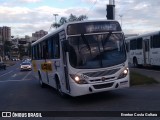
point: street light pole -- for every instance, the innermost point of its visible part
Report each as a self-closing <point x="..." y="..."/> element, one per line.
<point x="121" y="19"/>
<point x="55" y="18"/>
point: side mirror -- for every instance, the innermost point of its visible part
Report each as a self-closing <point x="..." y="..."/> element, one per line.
<point x="65" y="45"/>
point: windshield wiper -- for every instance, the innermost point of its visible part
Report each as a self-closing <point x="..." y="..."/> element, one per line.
<point x="103" y="42"/>
<point x="106" y="39"/>
<point x="86" y="43"/>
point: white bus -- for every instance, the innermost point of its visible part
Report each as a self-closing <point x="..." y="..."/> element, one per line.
<point x="81" y="58"/>
<point x="144" y="49"/>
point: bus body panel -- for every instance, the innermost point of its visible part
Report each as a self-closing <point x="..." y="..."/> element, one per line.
<point x="78" y="90"/>
<point x="107" y="85"/>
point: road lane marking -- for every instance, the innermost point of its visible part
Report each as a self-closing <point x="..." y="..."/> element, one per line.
<point x="14" y="75"/>
<point x="26" y="76"/>
<point x="6" y="73"/>
<point x="15" y="80"/>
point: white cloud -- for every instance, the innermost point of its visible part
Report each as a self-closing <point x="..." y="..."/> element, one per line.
<point x="29" y="1"/>
<point x="138" y="16"/>
<point x="23" y="20"/>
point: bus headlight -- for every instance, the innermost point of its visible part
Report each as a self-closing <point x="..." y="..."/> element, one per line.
<point x="78" y="79"/>
<point x="124" y="73"/>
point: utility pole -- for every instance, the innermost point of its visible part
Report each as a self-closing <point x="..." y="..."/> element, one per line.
<point x="111" y="10"/>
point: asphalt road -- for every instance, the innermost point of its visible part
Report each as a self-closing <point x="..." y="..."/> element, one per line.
<point x="20" y="91"/>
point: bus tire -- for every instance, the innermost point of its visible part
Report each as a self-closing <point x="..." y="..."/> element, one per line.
<point x="40" y="80"/>
<point x="59" y="90"/>
<point x="135" y="62"/>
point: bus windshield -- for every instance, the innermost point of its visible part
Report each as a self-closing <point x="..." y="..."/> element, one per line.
<point x="96" y="50"/>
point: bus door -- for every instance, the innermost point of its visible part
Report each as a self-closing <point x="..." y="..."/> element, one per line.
<point x="43" y="65"/>
<point x="65" y="66"/>
<point x="146" y="50"/>
<point x="53" y="61"/>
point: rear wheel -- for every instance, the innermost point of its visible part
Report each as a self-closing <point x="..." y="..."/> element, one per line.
<point x="135" y="62"/>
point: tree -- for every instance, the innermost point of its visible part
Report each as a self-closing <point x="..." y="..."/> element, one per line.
<point x="21" y="50"/>
<point x="7" y="46"/>
<point x="63" y="20"/>
<point x="82" y="17"/>
<point x="71" y="18"/>
<point x="29" y="50"/>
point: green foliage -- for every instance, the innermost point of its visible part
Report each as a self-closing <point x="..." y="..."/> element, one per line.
<point x="71" y="18"/>
<point x="7" y="46"/>
<point x="21" y="50"/>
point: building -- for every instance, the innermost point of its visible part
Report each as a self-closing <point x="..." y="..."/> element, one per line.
<point x="38" y="34"/>
<point x="5" y="35"/>
<point x="5" y="32"/>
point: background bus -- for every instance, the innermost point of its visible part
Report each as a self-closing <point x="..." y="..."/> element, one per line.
<point x="82" y="58"/>
<point x="144" y="49"/>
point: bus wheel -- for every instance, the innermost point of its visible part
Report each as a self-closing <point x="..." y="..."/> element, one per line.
<point x="40" y="81"/>
<point x="62" y="94"/>
<point x="135" y="62"/>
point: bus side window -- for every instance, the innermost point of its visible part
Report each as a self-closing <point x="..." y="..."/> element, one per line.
<point x="151" y="42"/>
<point x="127" y="46"/>
<point x="33" y="55"/>
<point x="156" y="41"/>
<point x="133" y="44"/>
<point x="139" y="43"/>
<point x="45" y="52"/>
<point x="50" y="48"/>
<point x="56" y="47"/>
<point x="40" y="51"/>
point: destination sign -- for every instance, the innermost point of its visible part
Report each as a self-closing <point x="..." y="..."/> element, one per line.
<point x="93" y="27"/>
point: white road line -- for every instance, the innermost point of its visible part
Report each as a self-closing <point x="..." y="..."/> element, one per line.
<point x="26" y="76"/>
<point x="15" y="80"/>
<point x="6" y="73"/>
<point x="14" y="75"/>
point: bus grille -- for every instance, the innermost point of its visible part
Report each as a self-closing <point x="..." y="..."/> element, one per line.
<point x="101" y="73"/>
<point x="99" y="80"/>
<point x="100" y="86"/>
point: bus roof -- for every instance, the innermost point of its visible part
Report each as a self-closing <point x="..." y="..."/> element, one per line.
<point x="143" y="35"/>
<point x="64" y="26"/>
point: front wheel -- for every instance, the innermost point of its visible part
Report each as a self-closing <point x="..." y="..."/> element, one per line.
<point x="59" y="89"/>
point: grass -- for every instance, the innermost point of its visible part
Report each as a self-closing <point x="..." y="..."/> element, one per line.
<point x="138" y="79"/>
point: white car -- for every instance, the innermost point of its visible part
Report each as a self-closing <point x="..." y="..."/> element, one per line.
<point x="26" y="66"/>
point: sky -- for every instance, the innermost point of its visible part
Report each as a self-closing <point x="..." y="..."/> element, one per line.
<point x="27" y="16"/>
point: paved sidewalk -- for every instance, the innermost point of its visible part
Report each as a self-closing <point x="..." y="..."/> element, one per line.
<point x="149" y="73"/>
